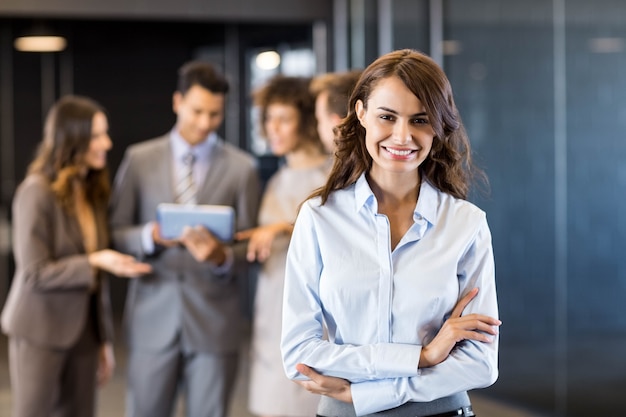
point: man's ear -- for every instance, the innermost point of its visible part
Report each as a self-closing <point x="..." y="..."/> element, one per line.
<point x="177" y="97"/>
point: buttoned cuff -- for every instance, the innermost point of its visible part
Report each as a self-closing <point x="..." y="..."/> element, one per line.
<point x="396" y="360"/>
<point x="147" y="243"/>
<point x="373" y="396"/>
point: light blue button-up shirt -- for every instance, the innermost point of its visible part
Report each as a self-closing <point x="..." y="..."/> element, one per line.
<point x="381" y="306"/>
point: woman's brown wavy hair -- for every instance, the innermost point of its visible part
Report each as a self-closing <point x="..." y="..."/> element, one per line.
<point x="61" y="154"/>
<point x="449" y="166"/>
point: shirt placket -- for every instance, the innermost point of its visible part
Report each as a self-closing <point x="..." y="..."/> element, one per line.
<point x="385" y="278"/>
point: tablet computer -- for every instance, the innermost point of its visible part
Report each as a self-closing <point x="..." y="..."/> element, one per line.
<point x="219" y="220"/>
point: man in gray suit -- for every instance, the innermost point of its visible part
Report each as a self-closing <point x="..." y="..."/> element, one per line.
<point x="183" y="320"/>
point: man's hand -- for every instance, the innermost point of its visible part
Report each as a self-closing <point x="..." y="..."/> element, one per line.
<point x="203" y="246"/>
<point x="158" y="240"/>
<point x="456" y="329"/>
<point x="337" y="388"/>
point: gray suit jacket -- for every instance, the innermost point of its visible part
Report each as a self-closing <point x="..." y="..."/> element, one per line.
<point x="181" y="296"/>
<point x="49" y="300"/>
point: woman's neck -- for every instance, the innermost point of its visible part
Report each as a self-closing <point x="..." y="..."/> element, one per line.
<point x="395" y="188"/>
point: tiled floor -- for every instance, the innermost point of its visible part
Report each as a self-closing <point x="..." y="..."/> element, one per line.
<point x="111" y="397"/>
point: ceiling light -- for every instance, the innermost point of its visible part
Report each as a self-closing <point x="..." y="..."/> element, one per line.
<point x="40" y="43"/>
<point x="268" y="60"/>
<point x="40" y="36"/>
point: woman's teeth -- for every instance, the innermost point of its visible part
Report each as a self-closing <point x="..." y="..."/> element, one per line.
<point x="399" y="152"/>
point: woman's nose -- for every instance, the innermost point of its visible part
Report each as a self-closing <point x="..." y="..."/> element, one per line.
<point x="401" y="133"/>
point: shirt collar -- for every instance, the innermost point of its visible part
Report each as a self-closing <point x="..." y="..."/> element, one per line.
<point x="202" y="151"/>
<point x="427" y="203"/>
<point x="426" y="206"/>
<point x="363" y="195"/>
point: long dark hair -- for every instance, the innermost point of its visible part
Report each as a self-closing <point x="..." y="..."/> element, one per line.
<point x="449" y="166"/>
<point x="61" y="154"/>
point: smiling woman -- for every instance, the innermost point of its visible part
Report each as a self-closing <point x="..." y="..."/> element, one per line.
<point x="410" y="311"/>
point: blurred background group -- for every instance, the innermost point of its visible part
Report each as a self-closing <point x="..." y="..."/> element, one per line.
<point x="541" y="87"/>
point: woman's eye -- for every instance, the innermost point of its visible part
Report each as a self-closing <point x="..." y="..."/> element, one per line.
<point x="420" y="121"/>
<point x="386" y="117"/>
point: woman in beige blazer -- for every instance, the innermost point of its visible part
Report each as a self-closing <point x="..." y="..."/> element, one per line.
<point x="57" y="314"/>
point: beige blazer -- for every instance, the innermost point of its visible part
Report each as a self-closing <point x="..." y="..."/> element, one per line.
<point x="49" y="300"/>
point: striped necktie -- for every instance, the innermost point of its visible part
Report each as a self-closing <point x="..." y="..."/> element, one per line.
<point x="186" y="187"/>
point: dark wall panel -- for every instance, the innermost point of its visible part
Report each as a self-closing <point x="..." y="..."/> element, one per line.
<point x="596" y="106"/>
<point x="508" y="110"/>
<point x="28" y="123"/>
<point x="521" y="89"/>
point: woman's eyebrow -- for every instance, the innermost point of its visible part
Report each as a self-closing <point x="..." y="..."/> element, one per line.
<point x="395" y="112"/>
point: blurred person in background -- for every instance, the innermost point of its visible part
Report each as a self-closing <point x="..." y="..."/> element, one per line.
<point x="287" y="115"/>
<point x="332" y="91"/>
<point x="184" y="321"/>
<point x="57" y="314"/>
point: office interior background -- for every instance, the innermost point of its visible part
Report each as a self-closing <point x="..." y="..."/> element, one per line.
<point x="541" y="87"/>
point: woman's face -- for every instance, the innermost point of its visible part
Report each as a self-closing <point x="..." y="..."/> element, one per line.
<point x="282" y="122"/>
<point x="100" y="143"/>
<point x="398" y="134"/>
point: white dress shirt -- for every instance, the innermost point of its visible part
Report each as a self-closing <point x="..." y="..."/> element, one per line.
<point x="201" y="152"/>
<point x="381" y="306"/>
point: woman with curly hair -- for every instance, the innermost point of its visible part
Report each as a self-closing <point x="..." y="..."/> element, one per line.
<point x="57" y="314"/>
<point x="391" y="258"/>
<point x="287" y="115"/>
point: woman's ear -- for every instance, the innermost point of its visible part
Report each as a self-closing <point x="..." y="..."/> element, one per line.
<point x="359" y="110"/>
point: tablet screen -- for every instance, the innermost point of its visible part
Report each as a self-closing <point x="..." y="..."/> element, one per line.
<point x="219" y="220"/>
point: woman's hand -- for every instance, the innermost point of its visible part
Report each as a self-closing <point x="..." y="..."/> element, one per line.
<point x="261" y="239"/>
<point x="118" y="263"/>
<point x="106" y="364"/>
<point x="337" y="388"/>
<point x="456" y="329"/>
